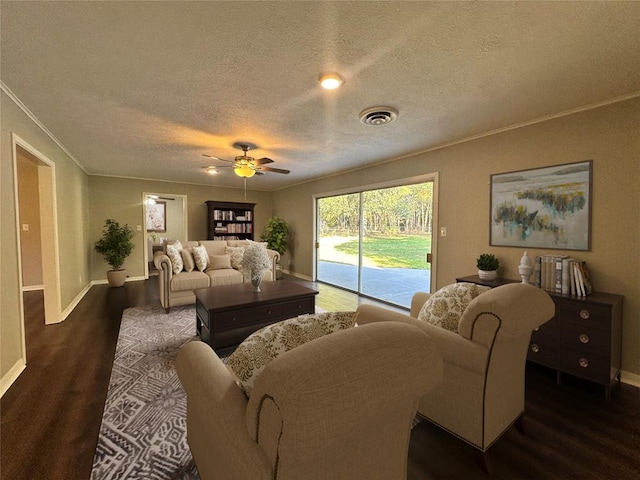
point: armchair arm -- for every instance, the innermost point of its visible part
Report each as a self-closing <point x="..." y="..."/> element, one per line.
<point x="216" y="410"/>
<point x="417" y="301"/>
<point x="455" y="349"/>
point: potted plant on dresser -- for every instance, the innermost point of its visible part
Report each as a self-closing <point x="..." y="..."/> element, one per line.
<point x="487" y="265"/>
<point x="115" y="246"/>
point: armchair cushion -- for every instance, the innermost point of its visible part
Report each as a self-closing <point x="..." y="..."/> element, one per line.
<point x="260" y="348"/>
<point x="445" y="307"/>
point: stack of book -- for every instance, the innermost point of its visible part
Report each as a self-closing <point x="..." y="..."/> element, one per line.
<point x="562" y="274"/>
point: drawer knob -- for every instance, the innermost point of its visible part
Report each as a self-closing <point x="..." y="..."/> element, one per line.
<point x="299" y="306"/>
<point x="536" y="329"/>
<point x="268" y="312"/>
<point x="584" y="338"/>
<point x="584" y="363"/>
<point x="584" y="314"/>
<point x="233" y="319"/>
<point x="535" y="348"/>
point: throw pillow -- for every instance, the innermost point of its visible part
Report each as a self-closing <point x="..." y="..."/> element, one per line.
<point x="201" y="257"/>
<point x="177" y="245"/>
<point x="176" y="259"/>
<point x="236" y="254"/>
<point x="187" y="259"/>
<point x="220" y="262"/>
<point x="445" y="307"/>
<point x="262" y="347"/>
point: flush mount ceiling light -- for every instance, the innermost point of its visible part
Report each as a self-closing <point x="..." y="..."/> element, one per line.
<point x="378" y="115"/>
<point x="330" y="81"/>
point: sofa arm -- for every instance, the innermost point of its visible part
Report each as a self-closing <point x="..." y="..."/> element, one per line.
<point x="165" y="272"/>
<point x="275" y="259"/>
<point x="216" y="417"/>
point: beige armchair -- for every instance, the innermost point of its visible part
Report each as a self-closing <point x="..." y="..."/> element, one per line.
<point x="338" y="407"/>
<point x="482" y="392"/>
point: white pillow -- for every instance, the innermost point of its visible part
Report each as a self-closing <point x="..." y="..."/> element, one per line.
<point x="176" y="259"/>
<point x="445" y="307"/>
<point x="201" y="258"/>
<point x="236" y="254"/>
<point x="262" y="347"/>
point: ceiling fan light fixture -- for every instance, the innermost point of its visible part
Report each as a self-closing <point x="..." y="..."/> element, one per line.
<point x="244" y="170"/>
<point x="212" y="170"/>
<point x="330" y="81"/>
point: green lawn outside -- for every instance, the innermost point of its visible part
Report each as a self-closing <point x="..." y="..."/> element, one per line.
<point x="393" y="251"/>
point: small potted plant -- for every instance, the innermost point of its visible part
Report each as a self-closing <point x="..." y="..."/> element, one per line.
<point x="115" y="246"/>
<point x="487" y="265"/>
<point x="276" y="234"/>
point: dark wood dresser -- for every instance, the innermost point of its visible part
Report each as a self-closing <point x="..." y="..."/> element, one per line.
<point x="584" y="338"/>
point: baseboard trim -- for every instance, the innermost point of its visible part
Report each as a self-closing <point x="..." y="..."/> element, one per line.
<point x="297" y="275"/>
<point x="11" y="376"/>
<point x="630" y="378"/>
<point x="104" y="281"/>
<point x="74" y="303"/>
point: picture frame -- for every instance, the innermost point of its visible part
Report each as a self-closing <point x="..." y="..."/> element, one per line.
<point x="548" y="207"/>
<point x="156" y="217"/>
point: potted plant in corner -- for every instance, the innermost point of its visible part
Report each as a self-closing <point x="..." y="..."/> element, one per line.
<point x="487" y="265"/>
<point x="115" y="246"/>
<point x="276" y="234"/>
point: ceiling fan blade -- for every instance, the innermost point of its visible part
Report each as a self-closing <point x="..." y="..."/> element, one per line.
<point x="274" y="170"/>
<point x="262" y="161"/>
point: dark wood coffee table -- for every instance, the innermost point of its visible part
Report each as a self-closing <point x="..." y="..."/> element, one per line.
<point x="226" y="315"/>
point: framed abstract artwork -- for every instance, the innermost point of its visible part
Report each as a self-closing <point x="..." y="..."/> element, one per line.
<point x="546" y="207"/>
<point x="157" y="217"/>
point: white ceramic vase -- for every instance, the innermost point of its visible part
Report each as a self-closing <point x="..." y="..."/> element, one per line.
<point x="488" y="275"/>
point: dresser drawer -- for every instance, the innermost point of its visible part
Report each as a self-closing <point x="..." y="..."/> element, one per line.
<point x="591" y="366"/>
<point x="590" y="315"/>
<point x="585" y="338"/>
<point x="202" y="314"/>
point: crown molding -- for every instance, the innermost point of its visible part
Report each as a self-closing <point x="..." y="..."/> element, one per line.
<point x="40" y="125"/>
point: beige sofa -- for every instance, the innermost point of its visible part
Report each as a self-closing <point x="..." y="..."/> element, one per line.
<point x="338" y="407"/>
<point x="177" y="289"/>
<point x="482" y="392"/>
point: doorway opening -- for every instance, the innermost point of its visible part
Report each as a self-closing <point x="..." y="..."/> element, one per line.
<point x="165" y="220"/>
<point x="378" y="241"/>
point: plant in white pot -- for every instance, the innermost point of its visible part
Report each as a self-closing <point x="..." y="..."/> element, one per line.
<point x="115" y="246"/>
<point x="487" y="265"/>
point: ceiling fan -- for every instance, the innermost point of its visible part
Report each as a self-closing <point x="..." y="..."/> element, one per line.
<point x="245" y="166"/>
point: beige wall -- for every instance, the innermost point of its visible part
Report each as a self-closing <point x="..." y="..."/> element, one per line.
<point x="610" y="136"/>
<point x="121" y="199"/>
<point x="72" y="214"/>
<point x="29" y="200"/>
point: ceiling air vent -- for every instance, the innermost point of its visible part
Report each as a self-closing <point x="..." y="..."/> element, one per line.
<point x="378" y="115"/>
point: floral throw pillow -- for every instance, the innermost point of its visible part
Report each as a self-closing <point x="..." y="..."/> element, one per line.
<point x="262" y="347"/>
<point x="201" y="258"/>
<point x="236" y="254"/>
<point x="445" y="307"/>
<point x="176" y="259"/>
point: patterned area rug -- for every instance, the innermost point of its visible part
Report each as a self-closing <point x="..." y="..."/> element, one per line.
<point x="143" y="432"/>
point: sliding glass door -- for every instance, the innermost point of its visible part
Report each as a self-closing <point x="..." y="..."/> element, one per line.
<point x="377" y="242"/>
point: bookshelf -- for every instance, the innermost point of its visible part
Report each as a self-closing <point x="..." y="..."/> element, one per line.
<point x="229" y="220"/>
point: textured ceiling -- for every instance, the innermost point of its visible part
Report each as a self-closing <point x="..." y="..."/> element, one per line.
<point x="143" y="89"/>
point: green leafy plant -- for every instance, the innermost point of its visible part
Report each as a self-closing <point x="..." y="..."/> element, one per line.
<point x="487" y="262"/>
<point x="115" y="245"/>
<point x="276" y="234"/>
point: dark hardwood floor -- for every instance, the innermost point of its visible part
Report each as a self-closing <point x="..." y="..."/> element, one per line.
<point x="50" y="417"/>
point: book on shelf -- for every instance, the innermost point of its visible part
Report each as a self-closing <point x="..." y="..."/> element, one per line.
<point x="562" y="274"/>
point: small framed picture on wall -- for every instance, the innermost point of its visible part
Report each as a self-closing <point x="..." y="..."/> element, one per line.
<point x="157" y="217"/>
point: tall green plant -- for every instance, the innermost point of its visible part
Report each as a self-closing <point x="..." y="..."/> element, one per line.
<point x="115" y="244"/>
<point x="276" y="234"/>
